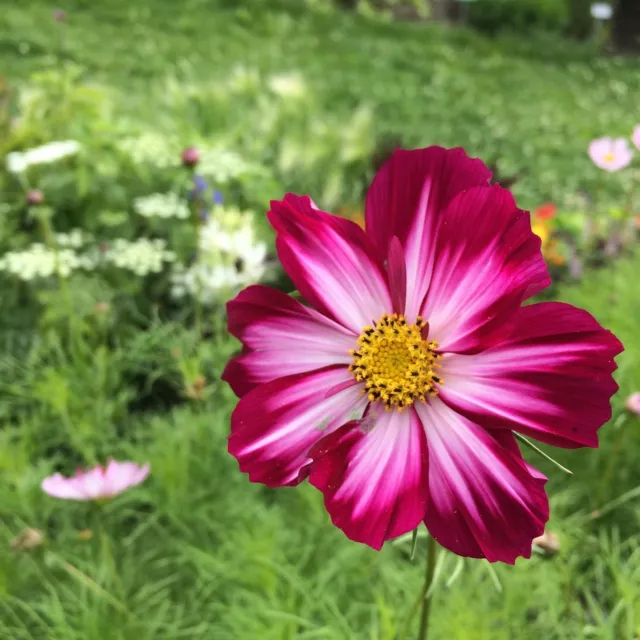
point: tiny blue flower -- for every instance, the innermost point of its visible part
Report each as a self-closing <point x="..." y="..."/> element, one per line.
<point x="218" y="198"/>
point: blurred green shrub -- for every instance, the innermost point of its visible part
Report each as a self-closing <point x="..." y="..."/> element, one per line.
<point x="492" y="16"/>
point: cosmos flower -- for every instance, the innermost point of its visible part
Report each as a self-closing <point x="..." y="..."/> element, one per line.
<point x="609" y="154"/>
<point x="397" y="388"/>
<point x="633" y="403"/>
<point x="97" y="483"/>
<point x="635" y="138"/>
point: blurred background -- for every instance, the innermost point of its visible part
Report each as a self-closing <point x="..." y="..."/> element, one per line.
<point x="140" y="144"/>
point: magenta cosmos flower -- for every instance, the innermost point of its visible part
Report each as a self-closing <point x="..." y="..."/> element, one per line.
<point x="610" y="154"/>
<point x="97" y="483"/>
<point x="397" y="388"/>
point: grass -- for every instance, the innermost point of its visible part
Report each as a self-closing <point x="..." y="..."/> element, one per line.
<point x="198" y="551"/>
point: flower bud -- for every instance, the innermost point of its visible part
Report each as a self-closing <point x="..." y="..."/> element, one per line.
<point x="190" y="157"/>
<point x="35" y="197"/>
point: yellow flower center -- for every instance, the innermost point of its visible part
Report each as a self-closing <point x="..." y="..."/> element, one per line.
<point x="609" y="157"/>
<point x="396" y="362"/>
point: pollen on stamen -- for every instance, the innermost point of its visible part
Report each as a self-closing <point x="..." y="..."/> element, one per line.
<point x="396" y="362"/>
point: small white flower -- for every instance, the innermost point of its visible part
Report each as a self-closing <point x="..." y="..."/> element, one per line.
<point x="152" y="148"/>
<point x="18" y="162"/>
<point x="161" y="205"/>
<point x="222" y="165"/>
<point x="75" y="238"/>
<point x="288" y="85"/>
<point x="38" y="261"/>
<point x="230" y="258"/>
<point x="142" y="256"/>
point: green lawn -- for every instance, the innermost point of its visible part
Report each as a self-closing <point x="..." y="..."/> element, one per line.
<point x="197" y="551"/>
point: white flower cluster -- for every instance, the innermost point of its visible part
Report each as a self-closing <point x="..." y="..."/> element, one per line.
<point x="222" y="165"/>
<point x="38" y="261"/>
<point x="288" y="85"/>
<point x="141" y="256"/>
<point x="75" y="239"/>
<point x="151" y="148"/>
<point x="18" y="162"/>
<point x="230" y="258"/>
<point x="161" y="205"/>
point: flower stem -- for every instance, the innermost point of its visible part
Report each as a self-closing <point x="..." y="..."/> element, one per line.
<point x="52" y="245"/>
<point x="612" y="460"/>
<point x="432" y="552"/>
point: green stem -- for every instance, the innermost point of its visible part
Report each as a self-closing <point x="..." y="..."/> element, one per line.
<point x="51" y="243"/>
<point x="198" y="300"/>
<point x="432" y="552"/>
<point x="611" y="463"/>
<point x="194" y="206"/>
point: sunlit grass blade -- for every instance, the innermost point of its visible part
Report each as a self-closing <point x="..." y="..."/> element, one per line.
<point x="539" y="451"/>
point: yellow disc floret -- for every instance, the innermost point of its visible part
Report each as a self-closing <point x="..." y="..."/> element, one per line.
<point x="396" y="362"/>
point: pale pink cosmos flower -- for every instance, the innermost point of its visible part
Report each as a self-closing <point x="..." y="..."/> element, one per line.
<point x="610" y="154"/>
<point x="633" y="403"/>
<point x="97" y="483"/>
<point x="635" y="137"/>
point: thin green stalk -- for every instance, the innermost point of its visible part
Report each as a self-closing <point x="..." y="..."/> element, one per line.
<point x="194" y="206"/>
<point x="612" y="462"/>
<point x="51" y="243"/>
<point x="198" y="300"/>
<point x="424" y="597"/>
<point x="432" y="552"/>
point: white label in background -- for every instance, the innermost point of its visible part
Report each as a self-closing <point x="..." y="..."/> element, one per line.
<point x="601" y="11"/>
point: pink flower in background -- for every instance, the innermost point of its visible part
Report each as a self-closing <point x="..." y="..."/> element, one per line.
<point x="633" y="403"/>
<point x="610" y="154"/>
<point x="97" y="483"/>
<point x="636" y="136"/>
<point x="397" y="388"/>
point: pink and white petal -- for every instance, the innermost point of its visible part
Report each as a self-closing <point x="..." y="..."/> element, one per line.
<point x="483" y="501"/>
<point x="397" y="272"/>
<point x="92" y="483"/>
<point x="408" y="198"/>
<point x="281" y="337"/>
<point x="120" y="476"/>
<point x="551" y="379"/>
<point x="58" y="486"/>
<point x="373" y="474"/>
<point x="331" y="262"/>
<point x="274" y="425"/>
<point x="488" y="261"/>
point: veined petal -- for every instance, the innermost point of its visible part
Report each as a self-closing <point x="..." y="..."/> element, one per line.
<point x="488" y="261"/>
<point x="374" y="476"/>
<point x="551" y="379"/>
<point x="483" y="501"/>
<point x="119" y="476"/>
<point x="282" y="337"/>
<point x="331" y="262"/>
<point x="407" y="199"/>
<point x="60" y="487"/>
<point x="274" y="425"/>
